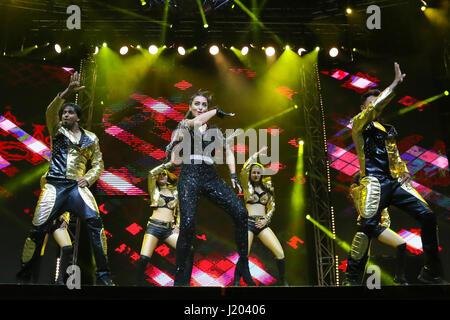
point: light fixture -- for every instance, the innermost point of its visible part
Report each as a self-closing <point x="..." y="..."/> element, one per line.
<point x="300" y="51"/>
<point x="333" y="52"/>
<point x="270" y="51"/>
<point x="181" y="51"/>
<point x="58" y="48"/>
<point x="214" y="50"/>
<point x="244" y="50"/>
<point x="123" y="50"/>
<point x="153" y="49"/>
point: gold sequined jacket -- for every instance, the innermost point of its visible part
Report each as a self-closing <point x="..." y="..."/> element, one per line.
<point x="69" y="156"/>
<point x="375" y="143"/>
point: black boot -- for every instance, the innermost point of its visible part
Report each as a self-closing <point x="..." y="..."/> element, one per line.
<point x="242" y="270"/>
<point x="189" y="266"/>
<point x="281" y="264"/>
<point x="184" y="265"/>
<point x="141" y="267"/>
<point x="400" y="277"/>
<point x="355" y="271"/>
<point x="65" y="260"/>
<point x="429" y="276"/>
<point x="31" y="259"/>
<point x="180" y="277"/>
<point x="432" y="271"/>
<point x="104" y="280"/>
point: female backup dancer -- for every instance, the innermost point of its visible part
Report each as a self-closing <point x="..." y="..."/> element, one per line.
<point x="163" y="223"/>
<point x="260" y="202"/>
<point x="359" y="251"/>
<point x="62" y="238"/>
<point x="199" y="177"/>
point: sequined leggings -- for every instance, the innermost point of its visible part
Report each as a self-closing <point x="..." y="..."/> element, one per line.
<point x="202" y="179"/>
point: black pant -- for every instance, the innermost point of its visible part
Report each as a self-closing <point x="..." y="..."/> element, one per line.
<point x="407" y="199"/>
<point x="194" y="181"/>
<point x="57" y="197"/>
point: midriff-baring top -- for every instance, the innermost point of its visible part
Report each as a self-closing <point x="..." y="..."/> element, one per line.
<point x="198" y="144"/>
<point x="265" y="198"/>
<point x="158" y="200"/>
<point x="167" y="202"/>
<point x="259" y="198"/>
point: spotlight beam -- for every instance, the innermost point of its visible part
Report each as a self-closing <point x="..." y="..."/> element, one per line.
<point x="130" y="13"/>
<point x="259" y="123"/>
<point x="202" y="14"/>
<point x="256" y="20"/>
<point x="420" y="103"/>
<point x="165" y="24"/>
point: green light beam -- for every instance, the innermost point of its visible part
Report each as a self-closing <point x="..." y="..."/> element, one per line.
<point x="420" y="103"/>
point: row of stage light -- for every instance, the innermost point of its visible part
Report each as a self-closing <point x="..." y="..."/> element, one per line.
<point x="214" y="50"/>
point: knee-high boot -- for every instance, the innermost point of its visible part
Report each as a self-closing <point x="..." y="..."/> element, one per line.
<point x="432" y="270"/>
<point x="141" y="267"/>
<point x="31" y="258"/>
<point x="65" y="260"/>
<point x="281" y="265"/>
<point x="242" y="270"/>
<point x="401" y="265"/>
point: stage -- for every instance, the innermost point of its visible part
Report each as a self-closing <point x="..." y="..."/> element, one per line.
<point x="293" y="73"/>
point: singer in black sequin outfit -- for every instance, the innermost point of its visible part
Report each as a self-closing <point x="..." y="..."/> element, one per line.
<point x="198" y="177"/>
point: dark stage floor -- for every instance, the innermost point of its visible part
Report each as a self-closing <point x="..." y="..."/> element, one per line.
<point x="247" y="294"/>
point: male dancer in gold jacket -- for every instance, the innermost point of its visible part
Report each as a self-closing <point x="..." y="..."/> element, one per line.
<point x="65" y="185"/>
<point x="385" y="181"/>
